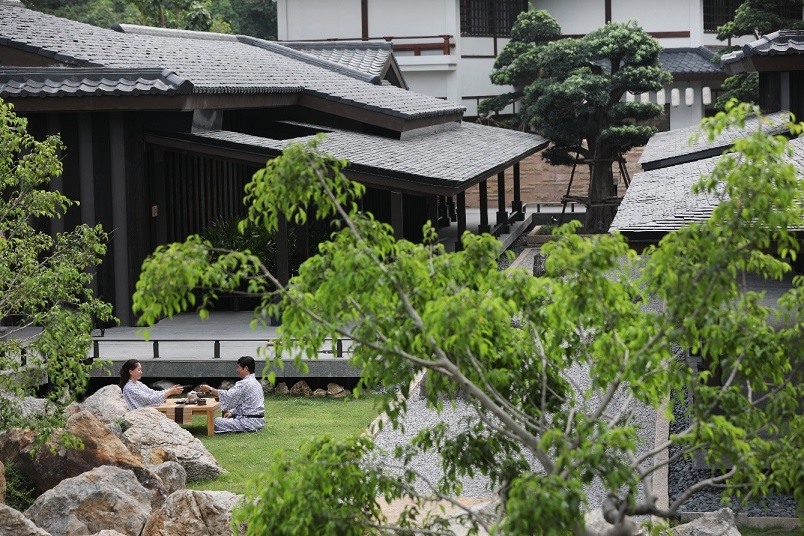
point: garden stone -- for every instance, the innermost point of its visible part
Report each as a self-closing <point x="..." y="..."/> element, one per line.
<point x="267" y="388"/>
<point x="2" y="483"/>
<point x="104" y="498"/>
<point x="226" y="385"/>
<point x="194" y="512"/>
<point x="300" y="388"/>
<point x="281" y="389"/>
<point x="719" y="523"/>
<point x="106" y="403"/>
<point x="320" y="393"/>
<point x="539" y="260"/>
<point x="334" y="389"/>
<point x="109" y="532"/>
<point x="162" y="385"/>
<point x="53" y="463"/>
<point x="14" y="522"/>
<point x="155" y="437"/>
<point x="173" y="475"/>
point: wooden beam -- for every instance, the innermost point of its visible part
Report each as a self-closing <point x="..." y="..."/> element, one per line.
<point x="364" y="25"/>
<point x="502" y="214"/>
<point x="517" y="206"/>
<point x="122" y="309"/>
<point x="397" y="218"/>
<point x="484" y="209"/>
<point x="608" y="11"/>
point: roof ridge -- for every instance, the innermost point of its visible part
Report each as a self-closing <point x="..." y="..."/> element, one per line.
<point x="140" y="29"/>
<point x="382" y="45"/>
<point x="309" y="59"/>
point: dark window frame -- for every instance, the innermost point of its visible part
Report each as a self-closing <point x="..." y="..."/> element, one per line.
<point x="490" y="18"/>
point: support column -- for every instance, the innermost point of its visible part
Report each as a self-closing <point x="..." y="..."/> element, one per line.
<point x="432" y="211"/>
<point x="461" y="217"/>
<point x="397" y="219"/>
<point x="302" y="247"/>
<point x="451" y="209"/>
<point x="517" y="207"/>
<point x="87" y="179"/>
<point x="502" y="214"/>
<point x="484" y="209"/>
<point x="122" y="305"/>
<point x="56" y="183"/>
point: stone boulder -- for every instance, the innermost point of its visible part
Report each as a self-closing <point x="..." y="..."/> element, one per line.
<point x="719" y="523"/>
<point x="53" y="463"/>
<point x="300" y="388"/>
<point x="2" y="483"/>
<point x="320" y="393"/>
<point x="194" y="512"/>
<point x="173" y="475"/>
<point x="109" y="533"/>
<point x="104" y="498"/>
<point x="106" y="403"/>
<point x="334" y="389"/>
<point x="281" y="389"/>
<point x="158" y="439"/>
<point x="267" y="388"/>
<point x="14" y="522"/>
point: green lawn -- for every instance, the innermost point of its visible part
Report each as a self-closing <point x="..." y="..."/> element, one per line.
<point x="289" y="422"/>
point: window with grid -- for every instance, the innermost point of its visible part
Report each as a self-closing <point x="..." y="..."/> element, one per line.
<point x="719" y="12"/>
<point x="490" y="17"/>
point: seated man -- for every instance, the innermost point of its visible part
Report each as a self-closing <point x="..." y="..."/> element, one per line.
<point x="243" y="405"/>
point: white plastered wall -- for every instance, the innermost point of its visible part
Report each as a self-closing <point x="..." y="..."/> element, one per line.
<point x="318" y="19"/>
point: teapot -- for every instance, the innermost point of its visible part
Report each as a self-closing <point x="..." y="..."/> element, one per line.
<point x="192" y="397"/>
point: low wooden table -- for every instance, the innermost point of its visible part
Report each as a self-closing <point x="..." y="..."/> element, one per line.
<point x="183" y="413"/>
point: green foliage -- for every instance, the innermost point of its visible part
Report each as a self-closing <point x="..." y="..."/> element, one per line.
<point x="760" y="17"/>
<point x="508" y="342"/>
<point x="572" y="92"/>
<point x="756" y="18"/>
<point x="44" y="279"/>
<point x="20" y="491"/>
<point x="256" y="18"/>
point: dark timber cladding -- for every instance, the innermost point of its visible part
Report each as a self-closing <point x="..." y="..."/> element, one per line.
<point x="160" y="147"/>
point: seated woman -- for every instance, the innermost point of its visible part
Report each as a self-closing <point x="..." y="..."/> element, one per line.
<point x="138" y="395"/>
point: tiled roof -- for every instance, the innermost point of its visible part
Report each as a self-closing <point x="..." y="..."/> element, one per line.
<point x="446" y="159"/>
<point x="689" y="61"/>
<point x="212" y="66"/>
<point x="93" y="81"/>
<point x="662" y="201"/>
<point x="673" y="147"/>
<point x="369" y="57"/>
<point x="777" y="43"/>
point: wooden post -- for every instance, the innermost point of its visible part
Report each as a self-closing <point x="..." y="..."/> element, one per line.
<point x="461" y="220"/>
<point x="122" y="310"/>
<point x="502" y="214"/>
<point x="517" y="206"/>
<point x="397" y="220"/>
<point x="282" y="252"/>
<point x="484" y="209"/>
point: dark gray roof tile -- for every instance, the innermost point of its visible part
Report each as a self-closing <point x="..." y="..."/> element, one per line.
<point x="673" y="147"/>
<point x="661" y="200"/>
<point x="777" y="43"/>
<point x="83" y="81"/>
<point x="447" y="158"/>
<point x="689" y="61"/>
<point x="212" y="66"/>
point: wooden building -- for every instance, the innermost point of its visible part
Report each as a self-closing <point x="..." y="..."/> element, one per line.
<point x="164" y="127"/>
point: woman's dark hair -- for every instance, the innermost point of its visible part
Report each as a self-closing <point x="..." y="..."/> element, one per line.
<point x="125" y="371"/>
<point x="247" y="362"/>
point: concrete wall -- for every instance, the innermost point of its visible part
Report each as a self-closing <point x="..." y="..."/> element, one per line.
<point x="318" y="19"/>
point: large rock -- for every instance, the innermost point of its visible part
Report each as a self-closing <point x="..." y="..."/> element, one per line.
<point x="53" y="463"/>
<point x="158" y="439"/>
<point x="720" y="523"/>
<point x="188" y="512"/>
<point x="15" y="523"/>
<point x="104" y="498"/>
<point x="281" y="389"/>
<point x="2" y="483"/>
<point x="109" y="533"/>
<point x="173" y="475"/>
<point x="300" y="388"/>
<point x="106" y="403"/>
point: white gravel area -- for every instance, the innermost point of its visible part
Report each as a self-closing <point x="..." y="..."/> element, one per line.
<point x="456" y="414"/>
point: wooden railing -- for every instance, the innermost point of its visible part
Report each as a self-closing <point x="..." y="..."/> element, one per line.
<point x="338" y="348"/>
<point x="440" y="42"/>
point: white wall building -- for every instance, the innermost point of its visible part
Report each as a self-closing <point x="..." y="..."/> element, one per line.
<point x="446" y="48"/>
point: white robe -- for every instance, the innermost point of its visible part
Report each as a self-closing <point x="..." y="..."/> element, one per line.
<point x="246" y="402"/>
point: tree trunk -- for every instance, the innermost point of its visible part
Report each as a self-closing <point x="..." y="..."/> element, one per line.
<point x="601" y="187"/>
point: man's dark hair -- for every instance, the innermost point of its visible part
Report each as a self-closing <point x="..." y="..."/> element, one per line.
<point x="247" y="362"/>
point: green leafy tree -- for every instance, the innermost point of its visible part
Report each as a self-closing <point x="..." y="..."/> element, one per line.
<point x="45" y="296"/>
<point x="756" y="18"/>
<point x="573" y="91"/>
<point x="507" y="340"/>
